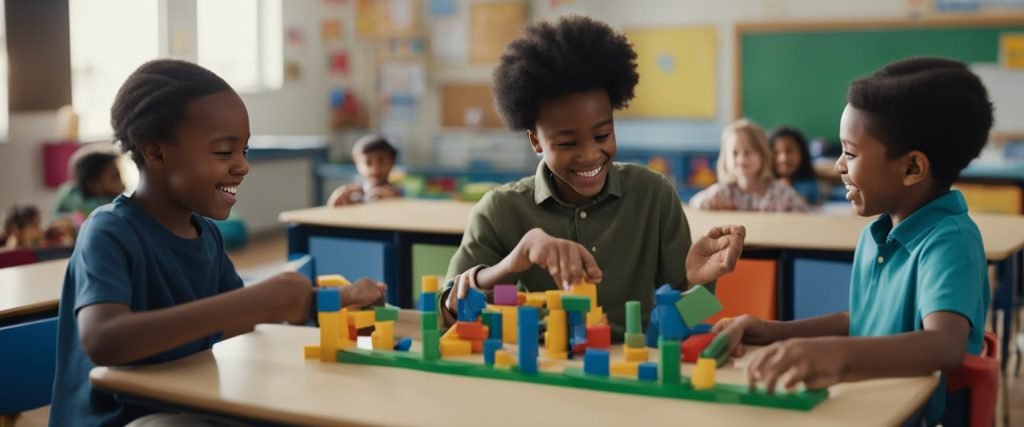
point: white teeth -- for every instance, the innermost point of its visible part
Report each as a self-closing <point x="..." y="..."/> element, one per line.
<point x="229" y="189"/>
<point x="588" y="174"/>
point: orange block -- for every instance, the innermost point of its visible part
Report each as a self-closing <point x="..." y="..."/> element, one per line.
<point x="749" y="289"/>
<point x="471" y="330"/>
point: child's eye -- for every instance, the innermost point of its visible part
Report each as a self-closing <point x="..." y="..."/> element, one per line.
<point x="566" y="144"/>
<point x="223" y="153"/>
<point x="602" y="138"/>
<point x="849" y="155"/>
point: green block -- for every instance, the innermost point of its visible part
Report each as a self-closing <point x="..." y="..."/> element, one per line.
<point x="697" y="305"/>
<point x="633" y="320"/>
<point x="576" y="303"/>
<point x="431" y="344"/>
<point x="487" y="317"/>
<point x="384" y="314"/>
<point x="716" y="348"/>
<point x="634" y="340"/>
<point x="670" y="352"/>
<point x="428" y="321"/>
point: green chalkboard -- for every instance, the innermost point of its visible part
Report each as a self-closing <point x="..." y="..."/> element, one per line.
<point x="800" y="77"/>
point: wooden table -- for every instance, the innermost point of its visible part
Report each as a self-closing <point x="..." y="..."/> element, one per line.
<point x="31" y="289"/>
<point x="262" y="376"/>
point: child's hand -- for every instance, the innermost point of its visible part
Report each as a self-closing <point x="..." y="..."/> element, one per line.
<point x="568" y="262"/>
<point x="364" y="292"/>
<point x="382" y="192"/>
<point x="295" y="293"/>
<point x="816" y="362"/>
<point x="461" y="283"/>
<point x="715" y="253"/>
<point x="343" y="195"/>
<point x="741" y="329"/>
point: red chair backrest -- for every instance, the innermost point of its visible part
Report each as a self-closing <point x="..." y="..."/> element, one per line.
<point x="980" y="374"/>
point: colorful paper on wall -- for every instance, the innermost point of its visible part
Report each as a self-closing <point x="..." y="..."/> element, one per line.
<point x="677" y="72"/>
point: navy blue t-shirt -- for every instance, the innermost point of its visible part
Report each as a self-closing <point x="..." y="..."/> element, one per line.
<point x="124" y="256"/>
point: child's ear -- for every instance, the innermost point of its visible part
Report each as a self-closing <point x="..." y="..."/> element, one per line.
<point x="918" y="168"/>
<point x="152" y="153"/>
<point x="534" y="141"/>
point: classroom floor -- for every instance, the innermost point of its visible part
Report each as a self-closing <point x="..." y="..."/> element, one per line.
<point x="265" y="254"/>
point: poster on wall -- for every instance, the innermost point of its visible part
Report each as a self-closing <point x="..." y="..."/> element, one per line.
<point x="678" y="72"/>
<point x="493" y="25"/>
<point x="1011" y="51"/>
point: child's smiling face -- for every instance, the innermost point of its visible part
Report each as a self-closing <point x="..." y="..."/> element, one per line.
<point x="744" y="160"/>
<point x="873" y="180"/>
<point x="205" y="165"/>
<point x="576" y="134"/>
<point x="787" y="156"/>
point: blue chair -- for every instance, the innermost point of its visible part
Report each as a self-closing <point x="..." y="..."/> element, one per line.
<point x="28" y="359"/>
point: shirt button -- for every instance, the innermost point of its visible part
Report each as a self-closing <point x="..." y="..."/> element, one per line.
<point x="881" y="259"/>
<point x="593" y="249"/>
<point x="583" y="214"/>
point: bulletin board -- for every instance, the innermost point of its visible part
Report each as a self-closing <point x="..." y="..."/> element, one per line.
<point x="492" y="26"/>
<point x="677" y="72"/>
<point x="462" y="103"/>
<point x="387" y="18"/>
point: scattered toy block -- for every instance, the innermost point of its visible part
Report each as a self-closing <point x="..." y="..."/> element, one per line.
<point x="329" y="332"/>
<point x="669" y="350"/>
<point x="529" y="330"/>
<point x="428" y="321"/>
<point x="431" y="340"/>
<point x="697" y="304"/>
<point x="495" y="327"/>
<point x="383" y="336"/>
<point x="509" y="322"/>
<point x="456" y="347"/>
<point x="503" y="359"/>
<point x="554" y="300"/>
<point x="556" y="340"/>
<point x="652" y="333"/>
<point x="599" y="336"/>
<point x="634" y="340"/>
<point x="701" y="328"/>
<point x="595" y="317"/>
<point x="633" y="318"/>
<point x="636" y="354"/>
<point x="647" y="371"/>
<point x="450" y="334"/>
<point x="666" y="295"/>
<point x="520" y="300"/>
<point x="625" y="369"/>
<point x="506" y="295"/>
<point x="311" y="352"/>
<point x="430" y="283"/>
<point x="718" y="349"/>
<point x="328" y="299"/>
<point x="490" y="347"/>
<point x="363" y="318"/>
<point x="472" y="331"/>
<point x="332" y="280"/>
<point x="586" y="289"/>
<point x="595" y="362"/>
<point x="578" y="349"/>
<point x="536" y="299"/>
<point x="576" y="318"/>
<point x="428" y="302"/>
<point x="403" y="344"/>
<point x="576" y="303"/>
<point x="353" y="332"/>
<point x="476" y="346"/>
<point x="470" y="307"/>
<point x="386" y="314"/>
<point x="703" y="377"/>
<point x="694" y="345"/>
<point x="670" y="324"/>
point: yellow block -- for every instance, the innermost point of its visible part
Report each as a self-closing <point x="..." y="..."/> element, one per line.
<point x="429" y="283"/>
<point x="636" y="354"/>
<point x="343" y="340"/>
<point x="556" y="339"/>
<point x="329" y="335"/>
<point x="332" y="280"/>
<point x="554" y="299"/>
<point x="363" y="319"/>
<point x="383" y="336"/>
<point x="703" y="374"/>
<point x="502" y="358"/>
<point x="563" y="355"/>
<point x="595" y="316"/>
<point x="311" y="352"/>
<point x="450" y="334"/>
<point x="510" y="324"/>
<point x="456" y="347"/>
<point x="536" y="299"/>
<point x="586" y="289"/>
<point x="625" y="368"/>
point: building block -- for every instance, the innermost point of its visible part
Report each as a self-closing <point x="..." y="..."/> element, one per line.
<point x="595" y="362"/>
<point x="428" y="301"/>
<point x="669" y="351"/>
<point x="636" y="354"/>
<point x="520" y="299"/>
<point x="586" y="289"/>
<point x="509" y="324"/>
<point x="431" y="344"/>
<point x="503" y="359"/>
<point x="634" y="340"/>
<point x="633" y="319"/>
<point x="327" y="280"/>
<point x="328" y="299"/>
<point x="599" y="336"/>
<point x="625" y="369"/>
<point x="472" y="305"/>
<point x="505" y="295"/>
<point x="697" y="304"/>
<point x="363" y="318"/>
<point x="595" y="317"/>
<point x="386" y="314"/>
<point x="456" y="347"/>
<point x="576" y="303"/>
<point x="554" y="300"/>
<point x="383" y="336"/>
<point x="666" y="295"/>
<point x="652" y="332"/>
<point x="329" y="331"/>
<point x="647" y="371"/>
<point x="695" y="344"/>
<point x="495" y="326"/>
<point x="450" y="334"/>
<point x="430" y="283"/>
<point x="701" y="328"/>
<point x="473" y="331"/>
<point x="717" y="349"/>
<point x="576" y="318"/>
<point x="428" y="321"/>
<point x="578" y="349"/>
<point x="536" y="299"/>
<point x="704" y="374"/>
<point x="670" y="325"/>
<point x="311" y="352"/>
<point x="556" y="339"/>
<point x="490" y="347"/>
<point x="403" y="344"/>
<point x="353" y="333"/>
<point x="529" y="331"/>
<point x="476" y="346"/>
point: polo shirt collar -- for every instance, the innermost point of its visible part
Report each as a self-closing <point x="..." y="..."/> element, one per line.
<point x="910" y="232"/>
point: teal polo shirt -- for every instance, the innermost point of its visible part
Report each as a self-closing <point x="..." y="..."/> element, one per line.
<point x="932" y="261"/>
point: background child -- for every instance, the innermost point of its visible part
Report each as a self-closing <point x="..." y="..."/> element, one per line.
<point x="792" y="163"/>
<point x="149" y="280"/>
<point x="97" y="181"/>
<point x="581" y="216"/>
<point x="918" y="292"/>
<point x="374" y="157"/>
<point x="22" y="228"/>
<point x="745" y="179"/>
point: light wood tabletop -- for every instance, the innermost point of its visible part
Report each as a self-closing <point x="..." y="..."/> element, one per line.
<point x="262" y="375"/>
<point x="1003" y="235"/>
<point x="31" y="288"/>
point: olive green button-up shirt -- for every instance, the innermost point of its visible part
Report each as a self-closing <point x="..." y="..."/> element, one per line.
<point x="635" y="228"/>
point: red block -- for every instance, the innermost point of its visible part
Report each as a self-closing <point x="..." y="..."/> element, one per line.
<point x="476" y="346"/>
<point x="352" y="332"/>
<point x="472" y="331"/>
<point x="599" y="336"/>
<point x="694" y="345"/>
<point x="579" y="349"/>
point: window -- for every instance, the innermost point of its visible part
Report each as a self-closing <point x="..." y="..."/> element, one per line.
<point x="241" y="41"/>
<point x="109" y="40"/>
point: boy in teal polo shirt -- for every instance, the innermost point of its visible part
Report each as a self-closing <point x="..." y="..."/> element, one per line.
<point x="581" y="216"/>
<point x="919" y="288"/>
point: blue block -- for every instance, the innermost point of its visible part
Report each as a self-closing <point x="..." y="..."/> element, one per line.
<point x="490" y="346"/>
<point x="328" y="299"/>
<point x="579" y="333"/>
<point x="472" y="305"/>
<point x="495" y="326"/>
<point x="651" y="335"/>
<point x="666" y="295"/>
<point x="647" y="371"/>
<point x="670" y="324"/>
<point x="574" y="318"/>
<point x="428" y="302"/>
<point x="529" y="333"/>
<point x="404" y="344"/>
<point x="701" y="328"/>
<point x="595" y="362"/>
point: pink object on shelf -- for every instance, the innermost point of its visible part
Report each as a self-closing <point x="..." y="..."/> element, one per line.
<point x="506" y="295"/>
<point x="56" y="155"/>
